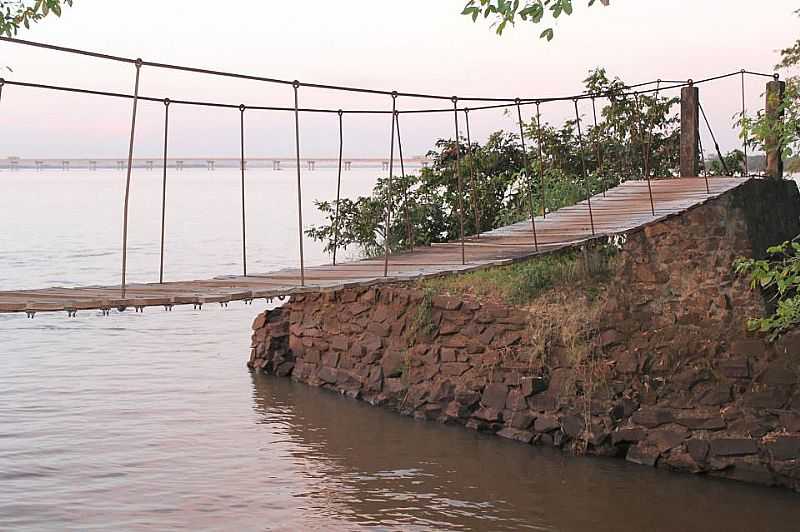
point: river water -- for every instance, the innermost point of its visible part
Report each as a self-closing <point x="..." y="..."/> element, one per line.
<point x="152" y="422"/>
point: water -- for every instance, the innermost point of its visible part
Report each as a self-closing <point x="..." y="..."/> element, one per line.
<point x="152" y="422"/>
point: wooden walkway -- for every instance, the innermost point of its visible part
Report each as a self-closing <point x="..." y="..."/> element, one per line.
<point x="623" y="208"/>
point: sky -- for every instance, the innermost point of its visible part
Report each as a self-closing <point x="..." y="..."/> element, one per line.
<point x="408" y="45"/>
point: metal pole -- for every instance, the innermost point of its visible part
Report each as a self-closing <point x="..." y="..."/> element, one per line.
<point x="649" y="152"/>
<point x="703" y="159"/>
<point x="744" y="140"/>
<point x="597" y="146"/>
<point x="338" y="189"/>
<point x="409" y="232"/>
<point x="164" y="191"/>
<point x="714" y="139"/>
<point x="138" y="65"/>
<point x="527" y="175"/>
<point x="460" y="184"/>
<point x="645" y="168"/>
<point x="296" y="85"/>
<point x="541" y="158"/>
<point x="389" y="194"/>
<point x="244" y="219"/>
<point x="475" y="198"/>
<point x="583" y="163"/>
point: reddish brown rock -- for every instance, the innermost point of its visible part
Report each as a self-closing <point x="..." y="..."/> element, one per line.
<point x="652" y="417"/>
<point x="733" y="446"/>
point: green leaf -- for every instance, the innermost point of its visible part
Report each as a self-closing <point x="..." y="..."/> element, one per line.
<point x="547" y="34"/>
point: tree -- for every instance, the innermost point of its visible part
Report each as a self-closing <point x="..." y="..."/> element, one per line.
<point x="632" y="133"/>
<point x="763" y="130"/>
<point x="505" y="12"/>
<point x="15" y="14"/>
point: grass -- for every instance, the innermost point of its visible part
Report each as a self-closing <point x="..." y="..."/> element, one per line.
<point x="422" y="324"/>
<point x="522" y="282"/>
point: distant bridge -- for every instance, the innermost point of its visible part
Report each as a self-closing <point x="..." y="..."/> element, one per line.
<point x="206" y="163"/>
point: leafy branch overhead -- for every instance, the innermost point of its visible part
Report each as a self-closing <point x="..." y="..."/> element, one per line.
<point x="505" y="12"/>
<point x="16" y="14"/>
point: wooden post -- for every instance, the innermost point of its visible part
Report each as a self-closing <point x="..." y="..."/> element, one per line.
<point x="775" y="92"/>
<point x="690" y="131"/>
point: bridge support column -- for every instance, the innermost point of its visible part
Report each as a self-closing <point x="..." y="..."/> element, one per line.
<point x="690" y="131"/>
<point x="775" y="93"/>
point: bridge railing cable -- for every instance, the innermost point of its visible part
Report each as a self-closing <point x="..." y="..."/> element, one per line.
<point x="636" y="91"/>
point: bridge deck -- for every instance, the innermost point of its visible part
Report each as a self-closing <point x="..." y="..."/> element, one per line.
<point x="623" y="208"/>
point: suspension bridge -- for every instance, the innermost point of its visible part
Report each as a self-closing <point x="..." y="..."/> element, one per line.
<point x="637" y="201"/>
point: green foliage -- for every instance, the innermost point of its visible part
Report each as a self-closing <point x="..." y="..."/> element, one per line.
<point x="763" y="132"/>
<point x="778" y="275"/>
<point x="505" y="12"/>
<point x="522" y="282"/>
<point x="497" y="189"/>
<point x="734" y="164"/>
<point x="15" y="14"/>
<point x="422" y="324"/>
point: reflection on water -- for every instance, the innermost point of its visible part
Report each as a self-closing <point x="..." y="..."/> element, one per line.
<point x="371" y="468"/>
<point x="152" y="422"/>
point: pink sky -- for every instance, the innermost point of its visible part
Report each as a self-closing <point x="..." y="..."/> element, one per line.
<point x="409" y="45"/>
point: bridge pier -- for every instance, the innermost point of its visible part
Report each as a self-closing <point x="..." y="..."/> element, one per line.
<point x="690" y="131"/>
<point x="149" y="165"/>
<point x="312" y="165"/>
<point x="276" y="165"/>
<point x="348" y="165"/>
<point x="39" y="165"/>
<point x="210" y="165"/>
<point x="385" y="166"/>
<point x="92" y="166"/>
<point x="120" y="165"/>
<point x="179" y="165"/>
<point x="65" y="166"/>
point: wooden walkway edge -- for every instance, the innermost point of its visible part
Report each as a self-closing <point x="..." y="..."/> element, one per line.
<point x="622" y="209"/>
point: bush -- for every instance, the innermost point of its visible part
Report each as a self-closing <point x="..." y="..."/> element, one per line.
<point x="779" y="277"/>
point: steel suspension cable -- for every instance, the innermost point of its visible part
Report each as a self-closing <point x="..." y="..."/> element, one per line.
<point x="164" y="191"/>
<point x="338" y="189"/>
<point x="583" y="165"/>
<point x="296" y="86"/>
<point x="703" y="159"/>
<point x="473" y="181"/>
<point x="527" y="176"/>
<point x="582" y="96"/>
<point x="389" y="197"/>
<point x="241" y="164"/>
<point x="541" y="158"/>
<point x="714" y="139"/>
<point x="406" y="212"/>
<point x="507" y="102"/>
<point x="460" y="184"/>
<point x="138" y="65"/>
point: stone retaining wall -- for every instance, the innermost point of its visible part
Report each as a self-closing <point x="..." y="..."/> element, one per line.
<point x="662" y="372"/>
